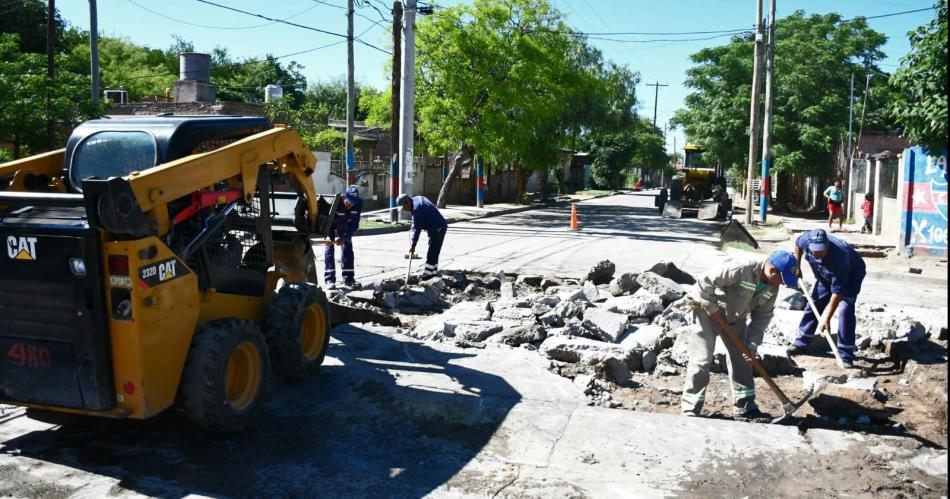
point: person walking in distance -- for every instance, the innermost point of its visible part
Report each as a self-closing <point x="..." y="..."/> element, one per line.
<point x="346" y="221"/>
<point x="425" y="217"/>
<point x="835" y="197"/>
<point x="867" y="211"/>
<point x="742" y="292"/>
<point x="839" y="271"/>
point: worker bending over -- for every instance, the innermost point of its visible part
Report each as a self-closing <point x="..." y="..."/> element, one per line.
<point x="742" y="292"/>
<point x="840" y="271"/>
<point x="425" y="217"/>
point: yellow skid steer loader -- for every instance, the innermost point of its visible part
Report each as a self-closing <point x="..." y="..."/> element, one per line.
<point x="140" y="269"/>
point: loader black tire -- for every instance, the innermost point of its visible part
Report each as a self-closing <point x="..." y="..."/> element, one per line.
<point x="297" y="327"/>
<point x="225" y="379"/>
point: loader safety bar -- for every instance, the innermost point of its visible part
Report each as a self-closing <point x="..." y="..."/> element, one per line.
<point x="52" y="199"/>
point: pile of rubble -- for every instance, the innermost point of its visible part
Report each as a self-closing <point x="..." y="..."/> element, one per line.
<point x="603" y="331"/>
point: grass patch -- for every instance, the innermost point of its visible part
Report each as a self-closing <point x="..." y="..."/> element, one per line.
<point x="738" y="245"/>
<point x="374" y="224"/>
<point x="593" y="192"/>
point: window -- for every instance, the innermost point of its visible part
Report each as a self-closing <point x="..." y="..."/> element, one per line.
<point x="112" y="154"/>
<point x="889" y="178"/>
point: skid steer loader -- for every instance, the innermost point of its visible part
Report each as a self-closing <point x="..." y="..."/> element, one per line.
<point x="139" y="267"/>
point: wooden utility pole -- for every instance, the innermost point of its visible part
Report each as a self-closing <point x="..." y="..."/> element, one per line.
<point x="767" y="123"/>
<point x="394" y="129"/>
<point x="50" y="71"/>
<point x="94" y="50"/>
<point x="350" y="96"/>
<point x="754" y="113"/>
<point x="656" y="99"/>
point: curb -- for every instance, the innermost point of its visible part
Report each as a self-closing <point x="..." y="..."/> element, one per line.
<point x="498" y="213"/>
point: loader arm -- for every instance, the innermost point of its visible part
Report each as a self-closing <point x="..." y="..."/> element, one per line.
<point x="139" y="202"/>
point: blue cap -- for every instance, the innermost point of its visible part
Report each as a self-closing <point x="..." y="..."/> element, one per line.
<point x="818" y="241"/>
<point x="787" y="265"/>
<point x="352" y="195"/>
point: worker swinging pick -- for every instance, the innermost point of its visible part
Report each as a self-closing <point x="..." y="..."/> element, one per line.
<point x="741" y="293"/>
<point x="425" y="217"/>
<point x="346" y="221"/>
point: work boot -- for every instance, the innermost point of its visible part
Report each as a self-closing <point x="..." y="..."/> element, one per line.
<point x="797" y="350"/>
<point x="330" y="284"/>
<point x="352" y="284"/>
<point x="848" y="364"/>
<point x="754" y="416"/>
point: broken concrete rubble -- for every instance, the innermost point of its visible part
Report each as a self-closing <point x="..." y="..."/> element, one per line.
<point x="520" y="335"/>
<point x="790" y="299"/>
<point x="672" y="272"/>
<point x="648" y="338"/>
<point x="624" y="284"/>
<point x="608" y="325"/>
<point x="601" y="273"/>
<point x="665" y="288"/>
<point x="529" y="280"/>
<point x="643" y="303"/>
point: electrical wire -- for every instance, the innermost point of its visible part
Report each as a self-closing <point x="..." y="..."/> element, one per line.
<point x="189" y="23"/>
<point x="296" y="25"/>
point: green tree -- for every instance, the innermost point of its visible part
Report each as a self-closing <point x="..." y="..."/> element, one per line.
<point x="814" y="58"/>
<point x="28" y="97"/>
<point x="493" y="79"/>
<point x="612" y="154"/>
<point x="376" y="106"/>
<point x="920" y="103"/>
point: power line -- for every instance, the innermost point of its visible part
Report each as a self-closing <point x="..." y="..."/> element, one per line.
<point x="189" y="23"/>
<point x="296" y="25"/>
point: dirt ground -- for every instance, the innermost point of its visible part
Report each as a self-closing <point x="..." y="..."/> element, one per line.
<point x="916" y="397"/>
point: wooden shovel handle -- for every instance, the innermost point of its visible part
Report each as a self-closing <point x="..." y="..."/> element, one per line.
<point x="731" y="335"/>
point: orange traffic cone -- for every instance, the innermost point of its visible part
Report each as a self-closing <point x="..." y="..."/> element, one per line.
<point x="575" y="225"/>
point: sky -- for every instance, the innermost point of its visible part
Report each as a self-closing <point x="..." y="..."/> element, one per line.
<point x="153" y="23"/>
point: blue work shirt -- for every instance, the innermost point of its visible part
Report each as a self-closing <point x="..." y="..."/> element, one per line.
<point x="425" y="217"/>
<point x="346" y="222"/>
<point x="838" y="268"/>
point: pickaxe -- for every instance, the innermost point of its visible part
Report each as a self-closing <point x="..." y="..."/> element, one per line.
<point x="788" y="407"/>
<point x="832" y="342"/>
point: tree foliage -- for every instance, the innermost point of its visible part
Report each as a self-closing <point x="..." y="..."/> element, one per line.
<point x="920" y="103"/>
<point x="814" y="58"/>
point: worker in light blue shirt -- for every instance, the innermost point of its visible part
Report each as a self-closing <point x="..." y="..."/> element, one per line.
<point x="840" y="271"/>
<point x="425" y="217"/>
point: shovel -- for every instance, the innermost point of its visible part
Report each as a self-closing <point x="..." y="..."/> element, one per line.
<point x="788" y="407"/>
<point x="832" y="342"/>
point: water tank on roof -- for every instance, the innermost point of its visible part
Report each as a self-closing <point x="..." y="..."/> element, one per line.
<point x="273" y="92"/>
<point x="194" y="66"/>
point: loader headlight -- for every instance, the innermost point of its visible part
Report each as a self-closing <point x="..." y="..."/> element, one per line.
<point x="78" y="267"/>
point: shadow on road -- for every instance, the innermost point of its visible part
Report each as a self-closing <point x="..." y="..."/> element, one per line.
<point x="390" y="418"/>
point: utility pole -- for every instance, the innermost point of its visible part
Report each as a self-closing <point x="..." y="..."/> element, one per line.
<point x="767" y="124"/>
<point x="94" y="50"/>
<point x="850" y="118"/>
<point x="394" y="129"/>
<point x="407" y="100"/>
<point x="350" y="96"/>
<point x="50" y="70"/>
<point x="656" y="98"/>
<point x="754" y="112"/>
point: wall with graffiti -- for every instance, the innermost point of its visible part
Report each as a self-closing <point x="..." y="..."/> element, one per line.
<point x="924" y="214"/>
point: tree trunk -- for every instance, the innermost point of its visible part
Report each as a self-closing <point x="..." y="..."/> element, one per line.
<point x="782" y="193"/>
<point x="463" y="158"/>
<point x="523" y="175"/>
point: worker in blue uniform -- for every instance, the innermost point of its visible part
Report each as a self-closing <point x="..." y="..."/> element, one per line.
<point x="346" y="221"/>
<point x="839" y="270"/>
<point x="425" y="217"/>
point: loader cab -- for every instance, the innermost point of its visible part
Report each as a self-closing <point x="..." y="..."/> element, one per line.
<point x="117" y="147"/>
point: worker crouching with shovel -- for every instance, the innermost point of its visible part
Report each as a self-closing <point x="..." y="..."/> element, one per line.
<point x="735" y="300"/>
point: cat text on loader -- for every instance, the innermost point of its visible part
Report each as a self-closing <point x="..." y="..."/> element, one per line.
<point x="139" y="268"/>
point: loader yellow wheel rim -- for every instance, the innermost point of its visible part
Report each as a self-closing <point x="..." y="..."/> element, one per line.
<point x="244" y="375"/>
<point x="313" y="331"/>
